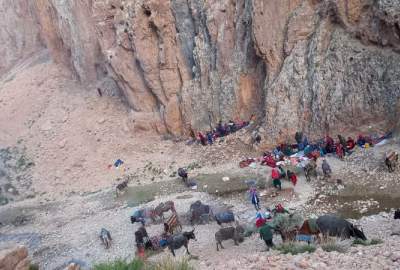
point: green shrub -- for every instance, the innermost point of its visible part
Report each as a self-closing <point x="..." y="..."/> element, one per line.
<point x="376" y="241"/>
<point x="371" y="242"/>
<point x="33" y="267"/>
<point x="295" y="248"/>
<point x="136" y="264"/>
<point x="335" y="244"/>
<point x="172" y="264"/>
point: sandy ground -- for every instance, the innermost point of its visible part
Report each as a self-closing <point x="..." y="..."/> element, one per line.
<point x="72" y="135"/>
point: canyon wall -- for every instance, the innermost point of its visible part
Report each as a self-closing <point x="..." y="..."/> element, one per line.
<point x="19" y="32"/>
<point x="310" y="65"/>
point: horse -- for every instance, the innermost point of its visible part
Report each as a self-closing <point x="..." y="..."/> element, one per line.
<point x="391" y="161"/>
<point x="162" y="208"/>
<point x="176" y="241"/>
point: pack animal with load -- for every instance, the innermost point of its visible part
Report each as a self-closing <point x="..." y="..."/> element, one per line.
<point x="224" y="217"/>
<point x="327" y="225"/>
<point x="199" y="213"/>
<point x="140" y="215"/>
<point x="173" y="225"/>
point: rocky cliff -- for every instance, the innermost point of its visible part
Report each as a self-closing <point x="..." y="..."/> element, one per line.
<point x="311" y="65"/>
<point x="19" y="32"/>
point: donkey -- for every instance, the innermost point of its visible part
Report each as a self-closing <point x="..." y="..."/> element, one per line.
<point x="176" y="241"/>
<point x="121" y="187"/>
<point x="162" y="208"/>
<point x="105" y="238"/>
<point x="235" y="233"/>
<point x="391" y="161"/>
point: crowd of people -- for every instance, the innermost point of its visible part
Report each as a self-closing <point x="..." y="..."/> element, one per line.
<point x="325" y="146"/>
<point x="294" y="154"/>
<point x="221" y="130"/>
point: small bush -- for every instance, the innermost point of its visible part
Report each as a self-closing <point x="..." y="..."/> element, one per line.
<point x="376" y="241"/>
<point x="335" y="244"/>
<point x="367" y="242"/>
<point x="295" y="248"/>
<point x="33" y="267"/>
<point x="136" y="264"/>
<point x="172" y="264"/>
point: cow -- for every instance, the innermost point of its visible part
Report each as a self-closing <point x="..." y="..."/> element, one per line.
<point x="335" y="226"/>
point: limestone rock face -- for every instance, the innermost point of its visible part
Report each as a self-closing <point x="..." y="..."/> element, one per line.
<point x="19" y="32"/>
<point x="308" y="65"/>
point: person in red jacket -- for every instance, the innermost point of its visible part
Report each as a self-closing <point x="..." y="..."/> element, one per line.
<point x="276" y="181"/>
<point x="350" y="143"/>
<point x="260" y="220"/>
<point x="292" y="177"/>
<point x="202" y="139"/>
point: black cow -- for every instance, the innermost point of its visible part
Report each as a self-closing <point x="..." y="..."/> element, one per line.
<point x="335" y="226"/>
<point x="397" y="214"/>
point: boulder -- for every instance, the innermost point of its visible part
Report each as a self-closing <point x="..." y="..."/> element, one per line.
<point x="73" y="266"/>
<point x="15" y="258"/>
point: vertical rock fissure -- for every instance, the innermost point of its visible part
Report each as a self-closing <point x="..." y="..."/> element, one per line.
<point x="184" y="24"/>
